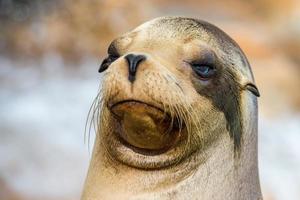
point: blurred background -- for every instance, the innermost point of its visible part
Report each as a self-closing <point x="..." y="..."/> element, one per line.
<point x="50" y="52"/>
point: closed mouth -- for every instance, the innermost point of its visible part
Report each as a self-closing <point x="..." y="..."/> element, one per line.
<point x="145" y="128"/>
<point x="111" y="106"/>
<point x="143" y="135"/>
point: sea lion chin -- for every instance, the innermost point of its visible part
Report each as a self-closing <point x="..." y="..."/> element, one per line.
<point x="144" y="126"/>
<point x="145" y="136"/>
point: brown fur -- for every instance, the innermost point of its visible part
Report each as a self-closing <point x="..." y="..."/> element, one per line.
<point x="216" y="118"/>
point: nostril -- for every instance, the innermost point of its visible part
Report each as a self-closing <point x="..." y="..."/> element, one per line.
<point x="133" y="62"/>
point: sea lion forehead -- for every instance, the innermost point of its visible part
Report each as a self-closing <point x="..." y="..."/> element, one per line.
<point x="175" y="28"/>
<point x="185" y="30"/>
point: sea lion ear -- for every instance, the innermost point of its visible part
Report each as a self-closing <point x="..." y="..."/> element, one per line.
<point x="252" y="88"/>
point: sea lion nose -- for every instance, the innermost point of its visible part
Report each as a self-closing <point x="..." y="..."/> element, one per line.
<point x="133" y="62"/>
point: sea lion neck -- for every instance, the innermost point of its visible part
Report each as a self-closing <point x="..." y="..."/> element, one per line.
<point x="212" y="174"/>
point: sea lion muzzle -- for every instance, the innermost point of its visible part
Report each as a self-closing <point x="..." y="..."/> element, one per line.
<point x="133" y="63"/>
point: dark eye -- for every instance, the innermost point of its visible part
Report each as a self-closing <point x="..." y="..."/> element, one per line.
<point x="106" y="62"/>
<point x="204" y="71"/>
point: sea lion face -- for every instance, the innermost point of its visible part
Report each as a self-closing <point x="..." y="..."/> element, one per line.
<point x="170" y="88"/>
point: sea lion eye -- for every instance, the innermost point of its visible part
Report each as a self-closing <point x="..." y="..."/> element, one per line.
<point x="204" y="71"/>
<point x="106" y="62"/>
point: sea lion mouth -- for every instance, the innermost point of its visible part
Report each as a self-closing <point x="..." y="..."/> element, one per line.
<point x="145" y="128"/>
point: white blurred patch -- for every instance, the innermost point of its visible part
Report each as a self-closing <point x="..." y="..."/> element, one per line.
<point x="42" y="150"/>
<point x="279" y="156"/>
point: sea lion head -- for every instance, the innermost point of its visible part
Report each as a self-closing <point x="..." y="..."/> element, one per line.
<point x="170" y="88"/>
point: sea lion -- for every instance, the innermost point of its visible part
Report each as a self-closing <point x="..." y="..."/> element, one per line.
<point x="176" y="117"/>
